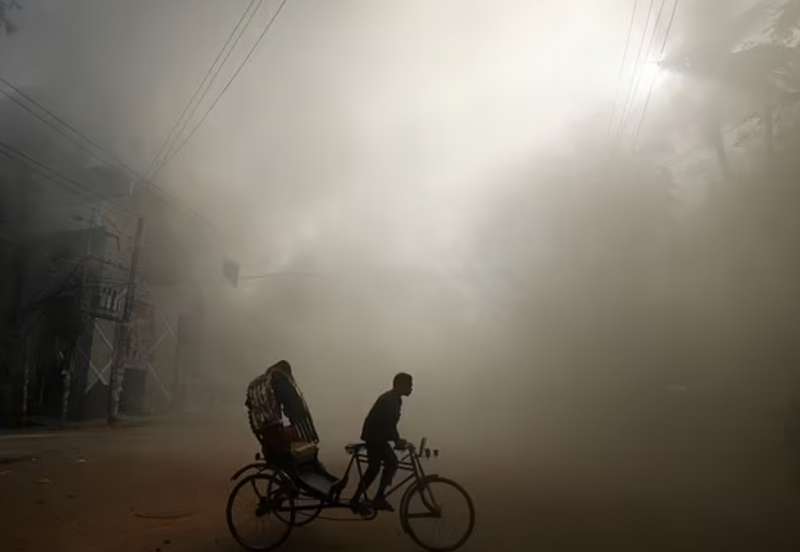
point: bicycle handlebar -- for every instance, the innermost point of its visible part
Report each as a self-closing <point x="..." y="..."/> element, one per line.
<point x="422" y="450"/>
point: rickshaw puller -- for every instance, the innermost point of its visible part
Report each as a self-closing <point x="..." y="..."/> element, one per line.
<point x="380" y="428"/>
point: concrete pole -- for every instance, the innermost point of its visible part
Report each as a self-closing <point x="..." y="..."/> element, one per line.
<point x="122" y="332"/>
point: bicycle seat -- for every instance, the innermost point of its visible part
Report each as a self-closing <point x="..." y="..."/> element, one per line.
<point x="352" y="448"/>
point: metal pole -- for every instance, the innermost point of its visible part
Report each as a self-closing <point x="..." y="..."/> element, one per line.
<point x="67" y="364"/>
<point x="122" y="332"/>
<point x="26" y="376"/>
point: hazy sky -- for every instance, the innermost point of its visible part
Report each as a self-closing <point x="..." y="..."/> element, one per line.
<point x="393" y="151"/>
<point x="435" y="171"/>
<point x="386" y="121"/>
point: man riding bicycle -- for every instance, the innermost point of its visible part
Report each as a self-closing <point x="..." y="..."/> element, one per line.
<point x="380" y="427"/>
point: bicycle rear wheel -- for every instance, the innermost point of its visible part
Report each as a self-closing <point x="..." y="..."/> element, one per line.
<point x="438" y="514"/>
<point x="260" y="512"/>
<point x="307" y="509"/>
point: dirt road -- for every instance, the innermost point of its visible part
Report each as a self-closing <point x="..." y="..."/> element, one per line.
<point x="164" y="488"/>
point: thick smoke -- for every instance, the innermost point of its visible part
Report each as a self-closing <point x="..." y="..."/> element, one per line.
<point x="432" y="188"/>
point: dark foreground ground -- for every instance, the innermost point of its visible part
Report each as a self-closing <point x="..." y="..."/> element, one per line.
<point x="164" y="488"/>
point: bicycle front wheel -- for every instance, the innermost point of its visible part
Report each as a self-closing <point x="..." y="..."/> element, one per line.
<point x="438" y="514"/>
<point x="260" y="512"/>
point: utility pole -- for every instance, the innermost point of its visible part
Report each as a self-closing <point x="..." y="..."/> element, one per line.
<point x="122" y="332"/>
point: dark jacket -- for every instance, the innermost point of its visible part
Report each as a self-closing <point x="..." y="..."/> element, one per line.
<point x="380" y="425"/>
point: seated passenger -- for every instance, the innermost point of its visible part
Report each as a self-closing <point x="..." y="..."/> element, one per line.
<point x="272" y="399"/>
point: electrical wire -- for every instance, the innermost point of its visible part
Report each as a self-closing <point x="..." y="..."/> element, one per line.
<point x="52" y="174"/>
<point x="78" y="137"/>
<point x="74" y="132"/>
<point x="74" y="135"/>
<point x="628" y="38"/>
<point x="264" y="32"/>
<point x="647" y="56"/>
<point x="622" y="66"/>
<point x="636" y="65"/>
<point x="204" y="86"/>
<point x="653" y="81"/>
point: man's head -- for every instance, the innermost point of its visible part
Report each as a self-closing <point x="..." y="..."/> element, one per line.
<point x="403" y="384"/>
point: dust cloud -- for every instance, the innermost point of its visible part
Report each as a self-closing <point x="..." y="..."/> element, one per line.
<point x="434" y="187"/>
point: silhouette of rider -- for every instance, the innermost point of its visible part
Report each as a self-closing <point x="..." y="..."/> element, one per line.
<point x="380" y="427"/>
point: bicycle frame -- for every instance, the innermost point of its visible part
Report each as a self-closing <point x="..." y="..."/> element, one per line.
<point x="286" y="493"/>
<point x="409" y="463"/>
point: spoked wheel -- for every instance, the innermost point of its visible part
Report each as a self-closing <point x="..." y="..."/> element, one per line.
<point x="306" y="508"/>
<point x="438" y="514"/>
<point x="261" y="514"/>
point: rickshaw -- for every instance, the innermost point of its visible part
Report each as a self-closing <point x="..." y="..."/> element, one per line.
<point x="288" y="487"/>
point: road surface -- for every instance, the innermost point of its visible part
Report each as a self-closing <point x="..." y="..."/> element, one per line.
<point x="163" y="488"/>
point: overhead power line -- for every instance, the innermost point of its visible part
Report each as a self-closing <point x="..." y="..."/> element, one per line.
<point x="669" y="29"/>
<point x="204" y="86"/>
<point x="70" y="132"/>
<point x="94" y="149"/>
<point x="653" y="80"/>
<point x="261" y="36"/>
<point x="81" y="140"/>
<point x="13" y="153"/>
<point x="65" y="129"/>
<point x="637" y="71"/>
<point x="52" y="174"/>
<point x="628" y="38"/>
<point x="649" y="52"/>
<point x="636" y="65"/>
<point x="622" y="66"/>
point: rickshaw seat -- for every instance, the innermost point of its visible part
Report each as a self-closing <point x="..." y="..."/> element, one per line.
<point x="313" y="477"/>
<point x="351" y="448"/>
<point x="303" y="451"/>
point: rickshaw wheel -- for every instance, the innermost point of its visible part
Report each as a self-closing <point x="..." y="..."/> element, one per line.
<point x="301" y="517"/>
<point x="252" y="512"/>
<point x="437" y="513"/>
